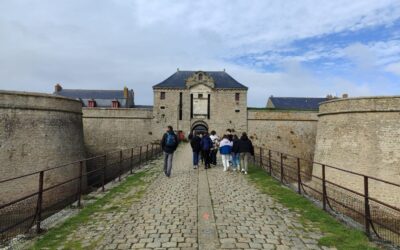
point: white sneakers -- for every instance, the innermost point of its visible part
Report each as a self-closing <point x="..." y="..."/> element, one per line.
<point x="245" y="172"/>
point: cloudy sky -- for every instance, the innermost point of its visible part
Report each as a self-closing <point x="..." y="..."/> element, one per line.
<point x="275" y="47"/>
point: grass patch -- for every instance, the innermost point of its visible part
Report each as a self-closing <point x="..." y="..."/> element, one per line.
<point x="57" y="236"/>
<point x="336" y="234"/>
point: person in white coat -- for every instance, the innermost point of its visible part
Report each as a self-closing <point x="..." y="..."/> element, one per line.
<point x="225" y="149"/>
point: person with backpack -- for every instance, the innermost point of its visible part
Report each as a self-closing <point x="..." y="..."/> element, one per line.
<point x="206" y="145"/>
<point x="246" y="150"/>
<point x="169" y="143"/>
<point x="235" y="153"/>
<point x="196" y="148"/>
<point x="225" y="149"/>
<point x="215" y="139"/>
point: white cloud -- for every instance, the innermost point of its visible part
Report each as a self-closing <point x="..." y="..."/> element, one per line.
<point x="393" y="68"/>
<point x="108" y="44"/>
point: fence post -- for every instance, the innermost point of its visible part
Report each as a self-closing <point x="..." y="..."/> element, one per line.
<point x="261" y="163"/>
<point x="39" y="203"/>
<point x="80" y="183"/>
<point x="152" y="153"/>
<point x="281" y="167"/>
<point x="270" y="161"/>
<point x="131" y="163"/>
<point x="140" y="156"/>
<point x="367" y="211"/>
<point x="147" y="152"/>
<point x="120" y="165"/>
<point x="298" y="176"/>
<point x="103" y="178"/>
<point x="323" y="188"/>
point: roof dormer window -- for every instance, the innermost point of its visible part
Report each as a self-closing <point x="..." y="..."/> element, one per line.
<point x="200" y="77"/>
<point x="91" y="103"/>
<point x="115" y="104"/>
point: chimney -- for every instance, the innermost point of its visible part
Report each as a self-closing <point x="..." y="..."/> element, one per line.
<point x="345" y="95"/>
<point x="177" y="69"/>
<point x="126" y="93"/>
<point x="57" y="88"/>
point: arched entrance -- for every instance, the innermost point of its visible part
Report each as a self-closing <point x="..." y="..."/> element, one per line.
<point x="200" y="127"/>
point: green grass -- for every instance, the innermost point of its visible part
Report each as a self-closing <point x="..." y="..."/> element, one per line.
<point x="58" y="235"/>
<point x="336" y="234"/>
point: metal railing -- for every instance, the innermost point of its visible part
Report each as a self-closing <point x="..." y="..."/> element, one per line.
<point x="38" y="195"/>
<point x="361" y="202"/>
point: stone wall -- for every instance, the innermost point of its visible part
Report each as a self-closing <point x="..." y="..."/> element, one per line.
<point x="108" y="129"/>
<point x="291" y="132"/>
<point x="361" y="135"/>
<point x="38" y="132"/>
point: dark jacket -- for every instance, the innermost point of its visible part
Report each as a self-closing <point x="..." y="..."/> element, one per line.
<point x="235" y="147"/>
<point x="206" y="143"/>
<point x="195" y="143"/>
<point x="169" y="149"/>
<point x="245" y="145"/>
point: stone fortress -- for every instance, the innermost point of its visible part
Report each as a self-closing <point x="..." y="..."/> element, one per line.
<point x="358" y="134"/>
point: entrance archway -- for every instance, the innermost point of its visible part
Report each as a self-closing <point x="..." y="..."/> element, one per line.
<point x="199" y="127"/>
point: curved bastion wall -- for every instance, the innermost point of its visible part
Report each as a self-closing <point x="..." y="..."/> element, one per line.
<point x="38" y="132"/>
<point x="361" y="135"/>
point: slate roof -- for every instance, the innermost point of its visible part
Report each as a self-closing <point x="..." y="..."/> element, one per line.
<point x="103" y="98"/>
<point x="299" y="103"/>
<point x="222" y="80"/>
<point x="88" y="93"/>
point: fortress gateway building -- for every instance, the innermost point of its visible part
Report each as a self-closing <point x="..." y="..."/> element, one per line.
<point x="199" y="100"/>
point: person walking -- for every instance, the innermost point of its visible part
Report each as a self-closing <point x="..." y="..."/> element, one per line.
<point x="169" y="143"/>
<point x="235" y="153"/>
<point x="213" y="155"/>
<point x="196" y="148"/>
<point x="246" y="150"/>
<point x="225" y="149"/>
<point x="206" y="145"/>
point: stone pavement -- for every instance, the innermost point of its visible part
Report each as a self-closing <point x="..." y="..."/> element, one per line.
<point x="221" y="211"/>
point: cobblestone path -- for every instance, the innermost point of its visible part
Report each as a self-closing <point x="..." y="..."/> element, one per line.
<point x="222" y="211"/>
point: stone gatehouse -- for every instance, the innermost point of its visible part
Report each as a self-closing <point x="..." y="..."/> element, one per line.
<point x="200" y="100"/>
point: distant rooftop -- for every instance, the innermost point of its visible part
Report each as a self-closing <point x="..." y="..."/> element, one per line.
<point x="222" y="80"/>
<point x="296" y="103"/>
<point x="103" y="98"/>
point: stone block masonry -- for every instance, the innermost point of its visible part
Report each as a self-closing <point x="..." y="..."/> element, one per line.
<point x="291" y="132"/>
<point x="38" y="131"/>
<point x="107" y="129"/>
<point x="361" y="135"/>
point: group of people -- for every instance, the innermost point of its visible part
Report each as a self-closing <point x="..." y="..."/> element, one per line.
<point x="235" y="152"/>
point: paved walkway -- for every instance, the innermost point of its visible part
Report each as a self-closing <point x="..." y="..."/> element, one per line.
<point x="199" y="209"/>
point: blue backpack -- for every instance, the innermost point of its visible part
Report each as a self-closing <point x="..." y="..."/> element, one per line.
<point x="206" y="143"/>
<point x="170" y="140"/>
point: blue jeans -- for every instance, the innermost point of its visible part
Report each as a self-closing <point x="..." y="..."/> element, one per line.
<point x="196" y="158"/>
<point x="236" y="159"/>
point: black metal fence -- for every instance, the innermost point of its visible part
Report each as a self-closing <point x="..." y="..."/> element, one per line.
<point x="360" y="202"/>
<point x="25" y="213"/>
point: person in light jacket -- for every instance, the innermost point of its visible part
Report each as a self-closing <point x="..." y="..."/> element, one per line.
<point x="225" y="149"/>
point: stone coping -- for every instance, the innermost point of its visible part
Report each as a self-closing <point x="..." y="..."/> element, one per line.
<point x="38" y="101"/>
<point x="360" y="105"/>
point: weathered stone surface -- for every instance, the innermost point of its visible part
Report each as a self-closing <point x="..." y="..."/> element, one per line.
<point x="361" y="135"/>
<point x="38" y="131"/>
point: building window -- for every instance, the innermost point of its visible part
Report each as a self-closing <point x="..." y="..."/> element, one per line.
<point x="162" y="95"/>
<point x="237" y="96"/>
<point x="115" y="104"/>
<point x="92" y="103"/>
<point x="200" y="96"/>
<point x="200" y="77"/>
<point x="180" y="106"/>
<point x="162" y="107"/>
